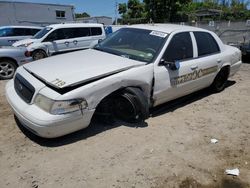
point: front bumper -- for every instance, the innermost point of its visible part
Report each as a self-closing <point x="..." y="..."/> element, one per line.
<point x="42" y="123"/>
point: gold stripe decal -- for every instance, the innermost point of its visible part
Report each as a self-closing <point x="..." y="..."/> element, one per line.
<point x="193" y="75"/>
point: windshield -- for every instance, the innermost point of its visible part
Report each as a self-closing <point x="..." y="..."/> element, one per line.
<point x="42" y="32"/>
<point x="5" y="32"/>
<point x="137" y="44"/>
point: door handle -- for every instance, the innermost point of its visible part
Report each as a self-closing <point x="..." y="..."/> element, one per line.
<point x="67" y="43"/>
<point x="12" y="41"/>
<point x="218" y="60"/>
<point x="75" y="41"/>
<point x="194" y="67"/>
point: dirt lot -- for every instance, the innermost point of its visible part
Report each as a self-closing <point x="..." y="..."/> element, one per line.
<point x="172" y="149"/>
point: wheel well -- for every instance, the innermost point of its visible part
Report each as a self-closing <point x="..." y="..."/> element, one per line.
<point x="227" y="68"/>
<point x="38" y="50"/>
<point x="102" y="103"/>
<point x="116" y="92"/>
<point x="11" y="59"/>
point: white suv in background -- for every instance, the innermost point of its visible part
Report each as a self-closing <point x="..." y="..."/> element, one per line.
<point x="12" y="34"/>
<point x="61" y="38"/>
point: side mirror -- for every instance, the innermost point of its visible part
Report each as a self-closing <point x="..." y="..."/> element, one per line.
<point x="100" y="40"/>
<point x="172" y="65"/>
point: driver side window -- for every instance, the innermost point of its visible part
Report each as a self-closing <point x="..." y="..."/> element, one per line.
<point x="55" y="35"/>
<point x="179" y="48"/>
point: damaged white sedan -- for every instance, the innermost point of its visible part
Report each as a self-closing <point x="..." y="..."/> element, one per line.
<point x="136" y="68"/>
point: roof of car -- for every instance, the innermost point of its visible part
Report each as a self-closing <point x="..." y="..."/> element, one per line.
<point x="166" y="28"/>
<point x="63" y="25"/>
<point x="21" y="26"/>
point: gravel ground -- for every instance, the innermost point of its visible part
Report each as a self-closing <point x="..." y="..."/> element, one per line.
<point x="172" y="149"/>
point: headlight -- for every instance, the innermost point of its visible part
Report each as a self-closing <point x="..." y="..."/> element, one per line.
<point x="26" y="45"/>
<point x="60" y="107"/>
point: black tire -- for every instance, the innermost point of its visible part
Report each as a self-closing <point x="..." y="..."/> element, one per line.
<point x="104" y="111"/>
<point x="131" y="106"/>
<point x="7" y="69"/>
<point x="220" y="80"/>
<point x="38" y="54"/>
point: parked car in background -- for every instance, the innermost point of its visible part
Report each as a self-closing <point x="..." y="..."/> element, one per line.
<point x="245" y="49"/>
<point x="109" y="29"/>
<point x="12" y="34"/>
<point x="10" y="59"/>
<point x="134" y="69"/>
<point x="61" y="38"/>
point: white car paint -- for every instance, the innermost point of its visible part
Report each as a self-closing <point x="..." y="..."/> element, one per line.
<point x="92" y="75"/>
<point x="62" y="45"/>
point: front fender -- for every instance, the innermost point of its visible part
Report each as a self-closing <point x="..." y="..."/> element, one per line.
<point x="35" y="47"/>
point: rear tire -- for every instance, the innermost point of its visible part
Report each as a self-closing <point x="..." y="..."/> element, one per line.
<point x="38" y="54"/>
<point x="220" y="80"/>
<point x="7" y="69"/>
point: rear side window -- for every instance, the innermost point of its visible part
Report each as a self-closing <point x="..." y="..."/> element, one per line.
<point x="33" y="31"/>
<point x="206" y="43"/>
<point x="68" y="33"/>
<point x="96" y="31"/>
<point x="6" y="32"/>
<point x="76" y="32"/>
<point x="179" y="48"/>
<point x="19" y="32"/>
<point x="81" y="32"/>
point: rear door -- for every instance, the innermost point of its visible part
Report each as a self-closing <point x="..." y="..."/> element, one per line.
<point x="82" y="38"/>
<point x="88" y="37"/>
<point x="208" y="59"/>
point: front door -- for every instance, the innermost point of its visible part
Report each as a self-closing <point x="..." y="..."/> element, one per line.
<point x="56" y="42"/>
<point x="169" y="83"/>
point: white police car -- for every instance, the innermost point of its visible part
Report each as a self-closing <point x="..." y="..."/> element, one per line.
<point x="136" y="68"/>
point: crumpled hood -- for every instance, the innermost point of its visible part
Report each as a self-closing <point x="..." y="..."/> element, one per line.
<point x="79" y="67"/>
<point x="23" y="42"/>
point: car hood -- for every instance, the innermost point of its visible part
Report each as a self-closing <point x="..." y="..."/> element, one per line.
<point x="24" y="42"/>
<point x="79" y="67"/>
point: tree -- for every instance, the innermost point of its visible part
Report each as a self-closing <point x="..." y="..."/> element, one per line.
<point x="122" y="8"/>
<point x="82" y="15"/>
<point x="132" y="12"/>
<point x="164" y="10"/>
<point x="231" y="10"/>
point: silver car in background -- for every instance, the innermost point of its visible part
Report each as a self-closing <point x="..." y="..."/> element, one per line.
<point x="10" y="59"/>
<point x="12" y="34"/>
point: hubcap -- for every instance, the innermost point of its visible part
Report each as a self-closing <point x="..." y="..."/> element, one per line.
<point x="6" y="69"/>
<point x="38" y="55"/>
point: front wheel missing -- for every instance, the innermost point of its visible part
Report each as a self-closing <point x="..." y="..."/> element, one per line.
<point x="129" y="105"/>
<point x="126" y="109"/>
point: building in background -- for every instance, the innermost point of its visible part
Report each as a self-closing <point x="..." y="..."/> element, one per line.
<point x="97" y="19"/>
<point x="24" y="13"/>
